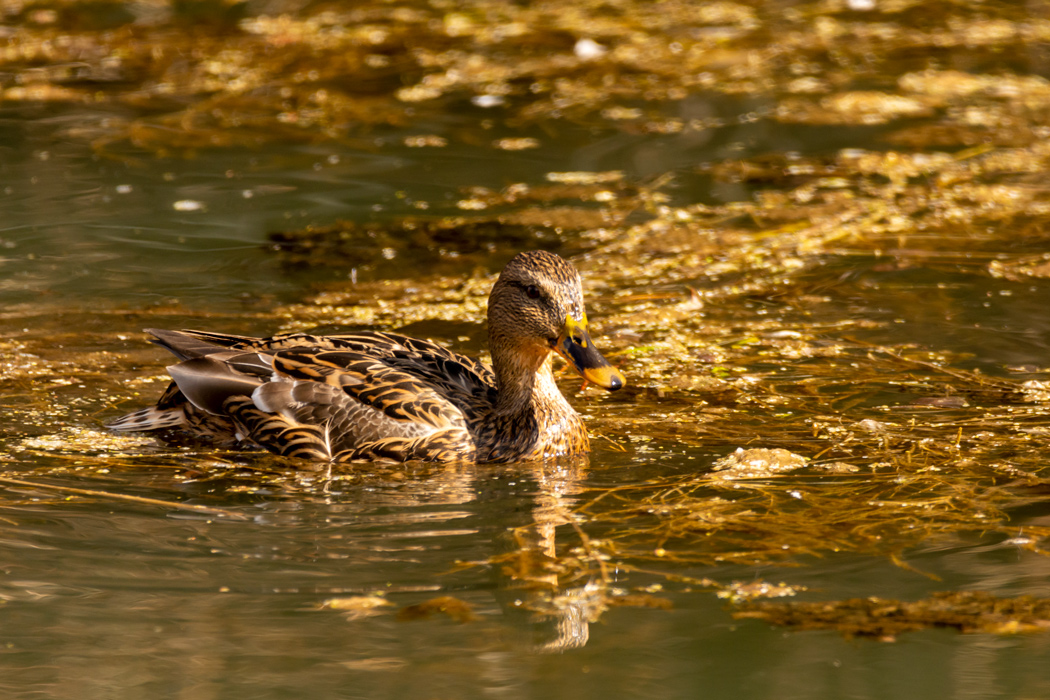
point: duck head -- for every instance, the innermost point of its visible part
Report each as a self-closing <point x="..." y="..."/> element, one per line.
<point x="536" y="307"/>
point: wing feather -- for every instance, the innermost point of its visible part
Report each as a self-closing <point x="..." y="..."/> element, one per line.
<point x="366" y="395"/>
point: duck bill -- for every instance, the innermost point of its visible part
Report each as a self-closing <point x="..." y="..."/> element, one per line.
<point x="576" y="346"/>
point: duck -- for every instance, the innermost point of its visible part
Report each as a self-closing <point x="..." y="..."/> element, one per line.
<point x="381" y="396"/>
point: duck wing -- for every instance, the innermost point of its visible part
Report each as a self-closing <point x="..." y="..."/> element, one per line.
<point x="340" y="398"/>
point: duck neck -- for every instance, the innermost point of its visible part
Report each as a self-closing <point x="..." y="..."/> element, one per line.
<point x="534" y="416"/>
<point x="526" y="387"/>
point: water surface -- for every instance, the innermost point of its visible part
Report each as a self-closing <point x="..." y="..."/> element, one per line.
<point x="890" y="345"/>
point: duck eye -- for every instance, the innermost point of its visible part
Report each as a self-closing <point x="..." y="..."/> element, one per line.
<point x="532" y="292"/>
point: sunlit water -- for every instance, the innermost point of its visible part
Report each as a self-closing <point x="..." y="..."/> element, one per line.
<point x="112" y="599"/>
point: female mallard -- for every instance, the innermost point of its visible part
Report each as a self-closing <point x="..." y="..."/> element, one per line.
<point x="372" y="395"/>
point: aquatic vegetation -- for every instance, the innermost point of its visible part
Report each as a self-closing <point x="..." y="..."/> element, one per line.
<point x="446" y="604"/>
<point x="201" y="75"/>
<point x="968" y="612"/>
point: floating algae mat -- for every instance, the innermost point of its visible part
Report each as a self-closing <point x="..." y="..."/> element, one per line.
<point x="884" y="619"/>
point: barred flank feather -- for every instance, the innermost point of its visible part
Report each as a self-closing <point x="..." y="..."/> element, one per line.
<point x="151" y="418"/>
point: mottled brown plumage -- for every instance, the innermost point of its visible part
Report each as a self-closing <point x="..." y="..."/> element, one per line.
<point x="373" y="395"/>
